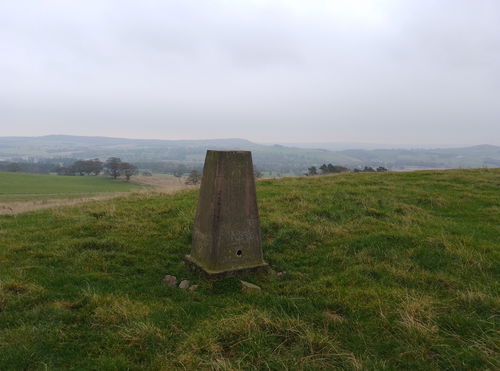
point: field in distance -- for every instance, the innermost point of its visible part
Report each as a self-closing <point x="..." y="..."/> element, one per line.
<point x="377" y="271"/>
<point x="27" y="187"/>
<point x="26" y="192"/>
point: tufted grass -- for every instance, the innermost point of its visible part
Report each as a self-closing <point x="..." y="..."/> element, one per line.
<point x="383" y="271"/>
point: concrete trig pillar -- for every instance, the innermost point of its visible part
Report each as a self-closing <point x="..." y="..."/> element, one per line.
<point x="226" y="236"/>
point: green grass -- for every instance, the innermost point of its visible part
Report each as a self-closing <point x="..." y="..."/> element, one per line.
<point x="383" y="271"/>
<point x="27" y="187"/>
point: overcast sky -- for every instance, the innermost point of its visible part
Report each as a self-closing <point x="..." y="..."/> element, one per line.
<point x="400" y="71"/>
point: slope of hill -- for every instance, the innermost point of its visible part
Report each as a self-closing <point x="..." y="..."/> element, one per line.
<point x="394" y="271"/>
<point x="276" y="158"/>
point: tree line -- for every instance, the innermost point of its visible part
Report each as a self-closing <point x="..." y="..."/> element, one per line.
<point x="113" y="166"/>
<point x="27" y="167"/>
<point x="332" y="169"/>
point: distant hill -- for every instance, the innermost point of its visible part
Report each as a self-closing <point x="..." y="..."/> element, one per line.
<point x="83" y="147"/>
<point x="341" y="146"/>
<point x="276" y="158"/>
<point x="467" y="157"/>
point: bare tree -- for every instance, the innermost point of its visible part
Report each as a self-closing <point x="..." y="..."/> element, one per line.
<point x="194" y="178"/>
<point x="179" y="171"/>
<point x="112" y="166"/>
<point x="312" y="171"/>
<point x="128" y="170"/>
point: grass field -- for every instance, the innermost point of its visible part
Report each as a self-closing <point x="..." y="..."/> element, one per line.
<point x="15" y="187"/>
<point x="383" y="271"/>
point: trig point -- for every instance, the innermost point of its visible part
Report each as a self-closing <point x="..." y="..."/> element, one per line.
<point x="226" y="236"/>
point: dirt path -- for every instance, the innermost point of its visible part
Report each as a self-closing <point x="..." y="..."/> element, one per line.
<point x="162" y="185"/>
<point x="12" y="208"/>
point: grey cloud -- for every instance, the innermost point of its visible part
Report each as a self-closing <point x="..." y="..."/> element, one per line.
<point x="389" y="71"/>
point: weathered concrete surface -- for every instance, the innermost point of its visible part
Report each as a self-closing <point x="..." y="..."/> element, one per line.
<point x="226" y="236"/>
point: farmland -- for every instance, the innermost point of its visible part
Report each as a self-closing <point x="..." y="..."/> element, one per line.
<point x="28" y="187"/>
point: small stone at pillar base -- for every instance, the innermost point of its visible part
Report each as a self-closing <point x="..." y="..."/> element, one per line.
<point x="249" y="287"/>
